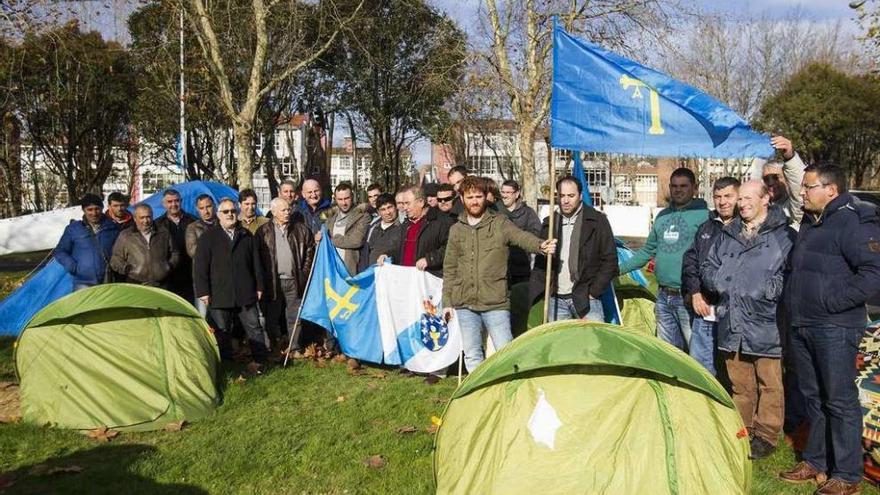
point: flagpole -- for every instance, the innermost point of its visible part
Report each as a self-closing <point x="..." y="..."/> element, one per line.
<point x="299" y="310"/>
<point x="550" y="233"/>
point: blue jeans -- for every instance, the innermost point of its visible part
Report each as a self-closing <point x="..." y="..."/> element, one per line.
<point x="825" y="361"/>
<point x="562" y="308"/>
<point x="702" y="345"/>
<point x="673" y="319"/>
<point x="79" y="287"/>
<point x="497" y="322"/>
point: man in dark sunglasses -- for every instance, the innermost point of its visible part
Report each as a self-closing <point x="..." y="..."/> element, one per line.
<point x="445" y="198"/>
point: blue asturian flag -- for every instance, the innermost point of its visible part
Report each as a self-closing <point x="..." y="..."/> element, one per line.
<point x="342" y="304"/>
<point x="603" y="102"/>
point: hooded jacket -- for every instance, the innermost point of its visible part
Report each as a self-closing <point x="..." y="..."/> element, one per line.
<point x="475" y="265"/>
<point x="671" y="235"/>
<point x="85" y="254"/>
<point x="749" y="276"/>
<point x="835" y="265"/>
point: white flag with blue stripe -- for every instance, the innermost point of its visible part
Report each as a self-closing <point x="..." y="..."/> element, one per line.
<point x="414" y="333"/>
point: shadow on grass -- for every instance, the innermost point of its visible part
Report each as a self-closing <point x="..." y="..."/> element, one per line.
<point x="104" y="469"/>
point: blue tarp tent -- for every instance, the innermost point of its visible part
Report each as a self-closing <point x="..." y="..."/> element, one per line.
<point x="52" y="282"/>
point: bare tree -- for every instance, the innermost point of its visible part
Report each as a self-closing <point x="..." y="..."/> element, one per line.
<point x="519" y="45"/>
<point x="309" y="30"/>
<point x="745" y="58"/>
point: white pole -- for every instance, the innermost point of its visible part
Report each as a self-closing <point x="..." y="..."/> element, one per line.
<point x="182" y="163"/>
<point x="299" y="310"/>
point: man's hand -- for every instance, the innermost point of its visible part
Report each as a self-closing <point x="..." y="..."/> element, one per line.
<point x="548" y="247"/>
<point x="259" y="295"/>
<point x="783" y="144"/>
<point x="317" y="238"/>
<point x="206" y="300"/>
<point x="701" y="307"/>
<point x="422" y="264"/>
<point x="448" y="313"/>
<point x="381" y="259"/>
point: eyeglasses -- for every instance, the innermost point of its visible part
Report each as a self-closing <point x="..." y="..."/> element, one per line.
<point x="445" y="200"/>
<point x="813" y="186"/>
<point x="227" y="212"/>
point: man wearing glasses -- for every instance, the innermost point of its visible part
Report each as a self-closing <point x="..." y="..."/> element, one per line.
<point x="783" y="180"/>
<point x="446" y="198"/>
<point x="835" y="268"/>
<point x="229" y="281"/>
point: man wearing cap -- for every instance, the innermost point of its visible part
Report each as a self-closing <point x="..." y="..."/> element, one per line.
<point x="86" y="245"/>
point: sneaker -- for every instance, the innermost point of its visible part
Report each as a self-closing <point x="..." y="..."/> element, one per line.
<point x="760" y="448"/>
<point x="803" y="472"/>
<point x="836" y="486"/>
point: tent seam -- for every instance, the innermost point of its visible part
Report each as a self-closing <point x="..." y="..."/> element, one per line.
<point x="668" y="437"/>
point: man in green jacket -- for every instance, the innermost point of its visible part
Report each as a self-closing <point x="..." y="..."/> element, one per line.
<point x="671" y="235"/>
<point x="475" y="271"/>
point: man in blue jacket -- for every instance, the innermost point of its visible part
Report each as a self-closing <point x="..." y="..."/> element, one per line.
<point x="835" y="268"/>
<point x="86" y="245"/>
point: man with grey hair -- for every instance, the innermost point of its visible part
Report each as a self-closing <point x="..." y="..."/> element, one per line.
<point x="746" y="268"/>
<point x="229" y="280"/>
<point x="783" y="180"/>
<point x="147" y="254"/>
<point x="287" y="249"/>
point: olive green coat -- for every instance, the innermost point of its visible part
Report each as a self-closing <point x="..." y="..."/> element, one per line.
<point x="475" y="264"/>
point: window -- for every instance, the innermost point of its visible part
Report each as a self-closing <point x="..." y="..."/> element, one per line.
<point x="277" y="142"/>
<point x="623" y="193"/>
<point x="646" y="189"/>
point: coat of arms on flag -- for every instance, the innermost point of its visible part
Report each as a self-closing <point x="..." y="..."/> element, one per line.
<point x="435" y="332"/>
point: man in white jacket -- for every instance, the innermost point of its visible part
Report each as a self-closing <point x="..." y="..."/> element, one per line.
<point x="783" y="180"/>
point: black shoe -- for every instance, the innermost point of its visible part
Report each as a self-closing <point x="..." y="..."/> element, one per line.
<point x="760" y="448"/>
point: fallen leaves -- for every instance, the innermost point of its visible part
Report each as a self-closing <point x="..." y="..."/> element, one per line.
<point x="435" y="425"/>
<point x="341" y="398"/>
<point x="375" y="461"/>
<point x="103" y="434"/>
<point x="353" y="364"/>
<point x="240" y="380"/>
<point x="372" y="385"/>
<point x="176" y="425"/>
<point x="406" y="429"/>
<point x="10" y="418"/>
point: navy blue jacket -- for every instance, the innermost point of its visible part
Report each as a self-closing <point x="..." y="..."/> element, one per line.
<point x="835" y="265"/>
<point x="313" y="219"/>
<point x="696" y="255"/>
<point x="77" y="253"/>
<point x="749" y="277"/>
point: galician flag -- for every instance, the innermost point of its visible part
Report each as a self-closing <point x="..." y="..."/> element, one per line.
<point x="389" y="314"/>
<point x="414" y="332"/>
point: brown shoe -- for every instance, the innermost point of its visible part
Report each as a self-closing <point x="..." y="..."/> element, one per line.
<point x="803" y="472"/>
<point x="836" y="486"/>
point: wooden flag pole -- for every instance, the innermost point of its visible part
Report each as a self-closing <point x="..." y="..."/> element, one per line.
<point x="550" y="233"/>
<point x="293" y="332"/>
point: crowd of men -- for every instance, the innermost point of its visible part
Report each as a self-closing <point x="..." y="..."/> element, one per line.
<point x="767" y="291"/>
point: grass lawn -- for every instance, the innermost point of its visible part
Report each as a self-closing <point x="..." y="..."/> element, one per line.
<point x="299" y="430"/>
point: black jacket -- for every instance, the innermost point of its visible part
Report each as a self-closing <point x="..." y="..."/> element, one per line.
<point x="379" y="242"/>
<point x="525" y="218"/>
<point x="597" y="260"/>
<point x="835" y="265"/>
<point x="432" y="240"/>
<point x="180" y="279"/>
<point x="228" y="270"/>
<point x="694" y="257"/>
<point x="749" y="276"/>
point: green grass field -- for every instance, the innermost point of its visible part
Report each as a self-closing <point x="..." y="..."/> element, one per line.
<point x="301" y="430"/>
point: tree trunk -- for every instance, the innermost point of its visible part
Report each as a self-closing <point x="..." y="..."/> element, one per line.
<point x="243" y="137"/>
<point x="527" y="159"/>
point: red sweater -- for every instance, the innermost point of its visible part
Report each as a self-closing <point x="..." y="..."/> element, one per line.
<point x="411" y="241"/>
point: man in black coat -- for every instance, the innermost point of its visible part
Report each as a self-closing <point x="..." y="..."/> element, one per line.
<point x="519" y="263"/>
<point x="383" y="236"/>
<point x="702" y="346"/>
<point x="585" y="263"/>
<point x="835" y="269"/>
<point x="229" y="280"/>
<point x="175" y="221"/>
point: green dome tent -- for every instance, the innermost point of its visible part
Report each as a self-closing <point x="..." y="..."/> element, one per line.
<point x="123" y="356"/>
<point x="577" y="407"/>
